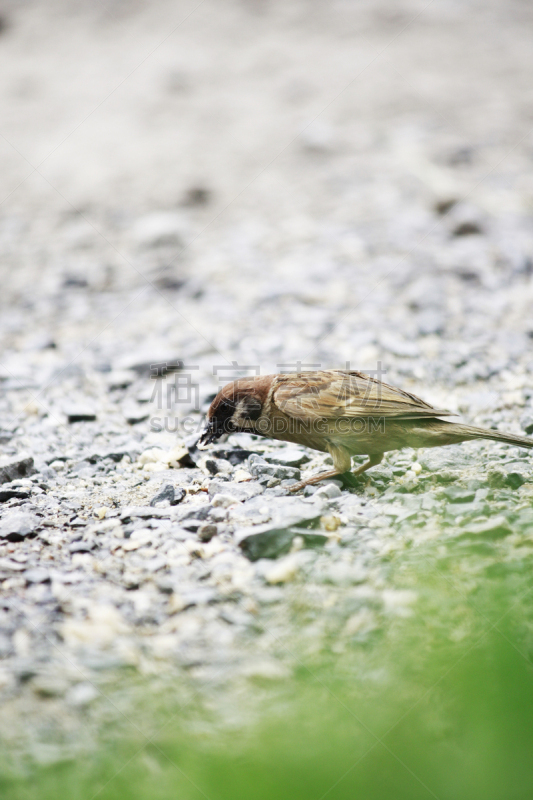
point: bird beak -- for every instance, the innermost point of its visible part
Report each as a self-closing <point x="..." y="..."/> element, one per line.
<point x="208" y="436"/>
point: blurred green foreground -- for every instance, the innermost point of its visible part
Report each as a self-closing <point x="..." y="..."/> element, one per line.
<point x="436" y="704"/>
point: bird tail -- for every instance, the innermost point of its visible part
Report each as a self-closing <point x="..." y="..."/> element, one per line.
<point x="469" y="432"/>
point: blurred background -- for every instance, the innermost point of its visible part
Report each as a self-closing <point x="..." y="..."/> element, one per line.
<point x="255" y="184"/>
<point x="267" y="181"/>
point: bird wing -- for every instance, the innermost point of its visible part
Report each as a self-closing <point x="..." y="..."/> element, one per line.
<point x="340" y="393"/>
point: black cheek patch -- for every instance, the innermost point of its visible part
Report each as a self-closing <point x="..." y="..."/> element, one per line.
<point x="252" y="408"/>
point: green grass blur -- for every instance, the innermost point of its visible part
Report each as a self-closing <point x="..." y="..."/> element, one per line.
<point x="438" y="704"/>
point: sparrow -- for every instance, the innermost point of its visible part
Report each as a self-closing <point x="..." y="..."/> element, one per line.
<point x="340" y="412"/>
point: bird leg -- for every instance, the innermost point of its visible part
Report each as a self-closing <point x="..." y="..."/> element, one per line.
<point x="342" y="462"/>
<point x="331" y="473"/>
<point x="351" y="477"/>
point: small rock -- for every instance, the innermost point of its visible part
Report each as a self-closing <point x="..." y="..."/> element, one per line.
<point x="444" y="458"/>
<point x="193" y="525"/>
<point x="467" y="509"/>
<point x="495" y="528"/>
<point x="526" y="421"/>
<point x="287" y="457"/>
<point x="223" y="500"/>
<point x="197" y="512"/>
<point x="6" y="565"/>
<point x="329" y="490"/>
<point x="330" y="523"/>
<point x="270" y="541"/>
<point x="13" y="494"/>
<point x="37" y="575"/>
<point x="168" y="492"/>
<point x="206" y="532"/>
<point x="196" y="196"/>
<point x="100" y="513"/>
<point x="80" y="414"/>
<point x="81" y="695"/>
<point x="515" y="480"/>
<point x="234" y="455"/>
<point x="16" y="468"/>
<point x="241" y="475"/>
<point x="119" y="379"/>
<point x="240" y="491"/>
<point x="284" y="571"/>
<point x="80" y="547"/>
<point x="180" y="456"/>
<point x="84" y="469"/>
<point x="159" y="228"/>
<point x="467" y="228"/>
<point x="135" y="414"/>
<point x="259" y="467"/>
<point x="198" y="597"/>
<point x="500" y="478"/>
<point x="17" y="525"/>
<point x="458" y="495"/>
<point x="144" y="512"/>
<point x="156" y="368"/>
<point x="49" y="686"/>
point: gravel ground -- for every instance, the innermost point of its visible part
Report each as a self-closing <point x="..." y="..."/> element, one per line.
<point x="191" y="193"/>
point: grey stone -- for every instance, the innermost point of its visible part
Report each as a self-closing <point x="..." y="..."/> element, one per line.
<point x="259" y="468"/>
<point x="284" y="509"/>
<point x="37" y="575"/>
<point x="458" y="495"/>
<point x="119" y="379"/>
<point x="240" y="491"/>
<point x="77" y="522"/>
<point x="81" y="695"/>
<point x="16" y="525"/>
<point x="196" y="512"/>
<point x="144" y="512"/>
<point x="193" y="524"/>
<point x="526" y="421"/>
<point x="329" y="490"/>
<point x="132" y="450"/>
<point x="7" y="565"/>
<point x="287" y="457"/>
<point x="13" y="494"/>
<point x="16" y="468"/>
<point x="80" y="414"/>
<point x="496" y="528"/>
<point x="155" y="564"/>
<point x="445" y="458"/>
<point x="507" y="476"/>
<point x="206" y="532"/>
<point x="81" y="547"/>
<point x="235" y="456"/>
<point x="270" y="541"/>
<point x="135" y="414"/>
<point x="159" y="228"/>
<point x="170" y="493"/>
<point x="467" y="509"/>
<point x="218" y="514"/>
<point x="84" y="467"/>
<point x="199" y="597"/>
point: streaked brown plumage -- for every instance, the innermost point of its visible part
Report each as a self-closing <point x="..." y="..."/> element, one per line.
<point x="341" y="412"/>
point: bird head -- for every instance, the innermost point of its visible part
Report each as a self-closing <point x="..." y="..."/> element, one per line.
<point x="236" y="408"/>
